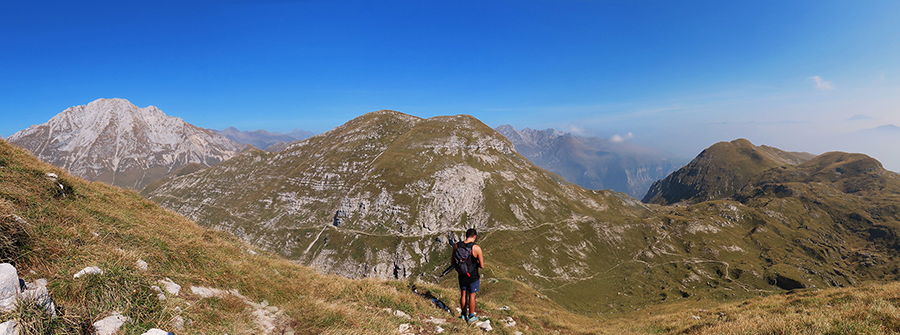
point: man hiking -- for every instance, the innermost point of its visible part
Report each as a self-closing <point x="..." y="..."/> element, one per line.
<point x="467" y="258"/>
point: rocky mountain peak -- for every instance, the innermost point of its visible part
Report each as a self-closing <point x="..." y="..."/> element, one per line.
<point x="114" y="141"/>
<point x="392" y="181"/>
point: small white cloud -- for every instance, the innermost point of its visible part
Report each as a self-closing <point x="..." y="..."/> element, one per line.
<point x="822" y="84"/>
<point x="576" y="130"/>
<point x="619" y="138"/>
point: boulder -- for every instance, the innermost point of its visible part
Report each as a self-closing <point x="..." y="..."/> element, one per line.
<point x="9" y="328"/>
<point x="110" y="324"/>
<point x="155" y="331"/>
<point x="9" y="287"/>
<point x="88" y="271"/>
<point x="37" y="292"/>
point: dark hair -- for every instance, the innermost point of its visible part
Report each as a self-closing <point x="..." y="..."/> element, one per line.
<point x="471" y="232"/>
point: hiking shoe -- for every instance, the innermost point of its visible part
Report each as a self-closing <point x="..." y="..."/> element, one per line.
<point x="472" y="318"/>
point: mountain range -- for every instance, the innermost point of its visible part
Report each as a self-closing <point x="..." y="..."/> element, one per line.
<point x="262" y="139"/>
<point x="54" y="224"/>
<point x="114" y="141"/>
<point x="384" y="194"/>
<point x="592" y="162"/>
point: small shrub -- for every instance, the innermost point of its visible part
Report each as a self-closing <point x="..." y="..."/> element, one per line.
<point x="14" y="240"/>
<point x="32" y="318"/>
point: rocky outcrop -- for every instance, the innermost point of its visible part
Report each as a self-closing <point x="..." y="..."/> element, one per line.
<point x="114" y="141"/>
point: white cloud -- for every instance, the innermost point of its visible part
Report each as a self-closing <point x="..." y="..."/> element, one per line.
<point x="822" y="84"/>
<point x="619" y="138"/>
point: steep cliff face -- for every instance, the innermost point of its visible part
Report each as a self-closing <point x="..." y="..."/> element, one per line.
<point x="379" y="196"/>
<point x="114" y="141"/>
<point x="719" y="172"/>
<point x="593" y="162"/>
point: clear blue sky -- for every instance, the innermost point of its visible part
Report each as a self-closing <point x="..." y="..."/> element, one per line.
<point x="680" y="75"/>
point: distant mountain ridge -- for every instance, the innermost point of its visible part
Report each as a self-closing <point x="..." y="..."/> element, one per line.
<point x="720" y="171"/>
<point x="262" y="139"/>
<point x="114" y="141"/>
<point x="593" y="162"/>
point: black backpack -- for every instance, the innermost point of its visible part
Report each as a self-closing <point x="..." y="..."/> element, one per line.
<point x="463" y="260"/>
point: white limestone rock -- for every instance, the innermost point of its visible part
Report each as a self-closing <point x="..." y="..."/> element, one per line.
<point x="88" y="271"/>
<point x="155" y="331"/>
<point x="9" y="328"/>
<point x="141" y="265"/>
<point x="177" y="323"/>
<point x="37" y="292"/>
<point x="484" y="325"/>
<point x="400" y="314"/>
<point x="9" y="287"/>
<point x="170" y="286"/>
<point x="110" y="324"/>
<point x="509" y="322"/>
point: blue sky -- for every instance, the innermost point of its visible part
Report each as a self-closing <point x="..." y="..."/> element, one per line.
<point x="680" y="75"/>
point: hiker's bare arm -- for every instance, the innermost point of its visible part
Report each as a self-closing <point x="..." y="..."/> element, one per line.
<point x="476" y="250"/>
<point x="453" y="259"/>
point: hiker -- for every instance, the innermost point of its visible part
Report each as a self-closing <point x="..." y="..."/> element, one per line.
<point x="467" y="258"/>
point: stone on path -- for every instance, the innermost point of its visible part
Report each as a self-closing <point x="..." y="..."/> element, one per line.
<point x="9" y="287"/>
<point x="88" y="271"/>
<point x="155" y="331"/>
<point x="485" y="325"/>
<point x="110" y="324"/>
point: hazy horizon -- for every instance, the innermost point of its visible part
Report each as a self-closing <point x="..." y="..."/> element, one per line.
<point x="801" y="76"/>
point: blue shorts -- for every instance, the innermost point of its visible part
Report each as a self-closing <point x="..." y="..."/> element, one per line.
<point x="471" y="288"/>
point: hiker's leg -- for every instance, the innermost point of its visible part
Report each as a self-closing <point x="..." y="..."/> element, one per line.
<point x="462" y="301"/>
<point x="471" y="303"/>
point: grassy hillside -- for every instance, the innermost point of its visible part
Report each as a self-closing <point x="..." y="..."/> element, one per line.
<point x="92" y="224"/>
<point x="719" y="172"/>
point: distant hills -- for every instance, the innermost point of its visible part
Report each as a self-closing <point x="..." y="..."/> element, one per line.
<point x="265" y="140"/>
<point x="719" y="172"/>
<point x="114" y="141"/>
<point x="592" y="162"/>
